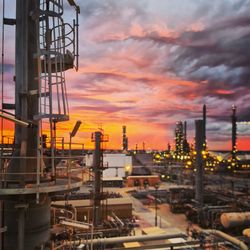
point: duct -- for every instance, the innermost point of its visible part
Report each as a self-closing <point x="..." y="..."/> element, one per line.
<point x="139" y="238"/>
<point x="227" y="237"/>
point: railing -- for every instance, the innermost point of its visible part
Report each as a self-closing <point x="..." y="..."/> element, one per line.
<point x="68" y="175"/>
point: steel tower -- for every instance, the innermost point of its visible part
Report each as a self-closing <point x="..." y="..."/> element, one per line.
<point x="45" y="48"/>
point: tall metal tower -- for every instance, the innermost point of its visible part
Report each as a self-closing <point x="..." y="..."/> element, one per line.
<point x="199" y="136"/>
<point x="98" y="167"/>
<point x="204" y="127"/>
<point x="124" y="138"/>
<point x="45" y="48"/>
<point x="179" y="135"/>
<point x="234" y="133"/>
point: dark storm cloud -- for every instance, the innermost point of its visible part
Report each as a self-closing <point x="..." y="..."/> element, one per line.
<point x="217" y="57"/>
<point x="128" y="43"/>
<point x="244" y="114"/>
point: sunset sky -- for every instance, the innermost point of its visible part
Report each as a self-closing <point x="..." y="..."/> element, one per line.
<point x="147" y="64"/>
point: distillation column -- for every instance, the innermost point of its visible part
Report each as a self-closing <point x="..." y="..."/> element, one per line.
<point x="28" y="223"/>
<point x="234" y="134"/>
<point x="124" y="139"/>
<point x="97" y="168"/>
<point x="199" y="163"/>
<point x="204" y="127"/>
<point x="45" y="48"/>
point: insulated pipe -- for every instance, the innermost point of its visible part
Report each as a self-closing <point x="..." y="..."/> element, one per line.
<point x="139" y="238"/>
<point x="229" y="220"/>
<point x="246" y="232"/>
<point x="227" y="237"/>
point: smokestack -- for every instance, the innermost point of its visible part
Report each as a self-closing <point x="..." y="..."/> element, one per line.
<point x="204" y="126"/>
<point x="124" y="139"/>
<point x="199" y="133"/>
<point x="144" y="146"/>
<point x="234" y="132"/>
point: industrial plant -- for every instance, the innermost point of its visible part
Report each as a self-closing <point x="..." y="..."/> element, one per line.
<point x="56" y="196"/>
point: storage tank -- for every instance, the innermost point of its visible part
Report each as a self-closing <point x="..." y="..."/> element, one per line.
<point x="229" y="220"/>
<point x="246" y="232"/>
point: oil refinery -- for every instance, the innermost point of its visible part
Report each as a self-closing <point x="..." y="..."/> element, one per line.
<point x="56" y="194"/>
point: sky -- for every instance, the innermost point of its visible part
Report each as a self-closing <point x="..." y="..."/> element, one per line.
<point x="147" y="64"/>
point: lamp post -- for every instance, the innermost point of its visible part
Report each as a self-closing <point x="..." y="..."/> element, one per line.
<point x="156" y="197"/>
<point x="73" y="133"/>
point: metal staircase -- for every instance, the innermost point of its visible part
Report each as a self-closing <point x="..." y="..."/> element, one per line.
<point x="58" y="49"/>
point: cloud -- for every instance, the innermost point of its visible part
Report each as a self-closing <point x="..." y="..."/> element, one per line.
<point x="148" y="64"/>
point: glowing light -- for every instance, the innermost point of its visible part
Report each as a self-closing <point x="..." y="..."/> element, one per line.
<point x="219" y="158"/>
<point x="128" y="168"/>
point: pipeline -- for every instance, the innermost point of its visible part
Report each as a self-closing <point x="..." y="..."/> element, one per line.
<point x="139" y="238"/>
<point x="229" y="220"/>
<point x="227" y="237"/>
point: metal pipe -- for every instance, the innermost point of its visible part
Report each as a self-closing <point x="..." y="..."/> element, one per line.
<point x="118" y="219"/>
<point x="19" y="122"/>
<point x="229" y="220"/>
<point x="227" y="237"/>
<point x="139" y="238"/>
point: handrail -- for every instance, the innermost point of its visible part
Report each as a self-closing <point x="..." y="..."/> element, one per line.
<point x="227" y="237"/>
